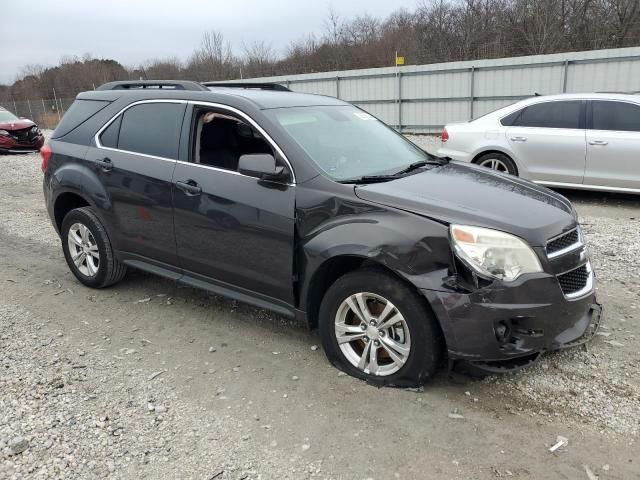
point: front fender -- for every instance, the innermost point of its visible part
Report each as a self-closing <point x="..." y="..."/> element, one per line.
<point x="414" y="247"/>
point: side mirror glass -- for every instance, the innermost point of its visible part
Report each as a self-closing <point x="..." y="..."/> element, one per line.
<point x="260" y="165"/>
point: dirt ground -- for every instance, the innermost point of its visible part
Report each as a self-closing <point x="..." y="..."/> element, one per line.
<point x="150" y="380"/>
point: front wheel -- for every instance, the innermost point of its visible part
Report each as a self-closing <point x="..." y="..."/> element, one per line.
<point x="88" y="250"/>
<point x="376" y="328"/>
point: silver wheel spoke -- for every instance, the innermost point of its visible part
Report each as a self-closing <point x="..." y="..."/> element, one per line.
<point x="365" y="353"/>
<point x="79" y="259"/>
<point x="90" y="267"/>
<point x="397" y="348"/>
<point x="84" y="232"/>
<point x="75" y="238"/>
<point x="355" y="307"/>
<point x="392" y="321"/>
<point x="348" y="333"/>
<point x="388" y="308"/>
<point x="373" y="359"/>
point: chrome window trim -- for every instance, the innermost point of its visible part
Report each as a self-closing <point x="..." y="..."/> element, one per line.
<point x="569" y="248"/>
<point x="204" y="103"/>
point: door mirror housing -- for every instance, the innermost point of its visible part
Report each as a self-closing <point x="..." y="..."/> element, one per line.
<point x="262" y="166"/>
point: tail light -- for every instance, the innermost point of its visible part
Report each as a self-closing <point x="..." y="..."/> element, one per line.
<point x="45" y="153"/>
<point x="444" y="136"/>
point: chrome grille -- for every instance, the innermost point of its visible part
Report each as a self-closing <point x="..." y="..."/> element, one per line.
<point x="564" y="243"/>
<point x="576" y="280"/>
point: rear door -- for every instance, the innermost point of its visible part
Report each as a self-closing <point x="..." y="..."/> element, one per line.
<point x="613" y="144"/>
<point x="134" y="159"/>
<point x="233" y="229"/>
<point x="549" y="139"/>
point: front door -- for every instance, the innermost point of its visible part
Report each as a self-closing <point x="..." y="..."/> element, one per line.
<point x="613" y="145"/>
<point x="549" y="139"/>
<point x="232" y="229"/>
<point x="134" y="160"/>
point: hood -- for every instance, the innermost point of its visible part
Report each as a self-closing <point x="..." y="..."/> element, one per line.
<point x="472" y="195"/>
<point x="18" y="124"/>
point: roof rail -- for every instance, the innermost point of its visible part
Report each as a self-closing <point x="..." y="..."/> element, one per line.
<point x="152" y="84"/>
<point x="249" y="85"/>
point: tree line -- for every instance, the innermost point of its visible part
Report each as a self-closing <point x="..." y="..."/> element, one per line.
<point x="435" y="31"/>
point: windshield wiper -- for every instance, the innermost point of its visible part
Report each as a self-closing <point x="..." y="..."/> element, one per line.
<point x="433" y="160"/>
<point x="371" y="179"/>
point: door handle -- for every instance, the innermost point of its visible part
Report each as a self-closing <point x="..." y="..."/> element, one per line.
<point x="189" y="187"/>
<point x="519" y="139"/>
<point x="105" y="164"/>
<point x="598" y="142"/>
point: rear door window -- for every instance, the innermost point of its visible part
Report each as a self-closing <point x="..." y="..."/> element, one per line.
<point x="617" y="116"/>
<point x="152" y="129"/>
<point x="551" y="115"/>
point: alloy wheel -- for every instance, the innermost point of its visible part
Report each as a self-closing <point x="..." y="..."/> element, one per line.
<point x="495" y="164"/>
<point x="372" y="334"/>
<point x="83" y="249"/>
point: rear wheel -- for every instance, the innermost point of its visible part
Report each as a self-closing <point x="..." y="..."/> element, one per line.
<point x="376" y="328"/>
<point x="88" y="250"/>
<point x="499" y="162"/>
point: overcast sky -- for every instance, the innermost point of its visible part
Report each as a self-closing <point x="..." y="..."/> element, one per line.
<point x="132" y="31"/>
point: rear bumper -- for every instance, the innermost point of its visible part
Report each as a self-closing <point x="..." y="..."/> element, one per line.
<point x="493" y="327"/>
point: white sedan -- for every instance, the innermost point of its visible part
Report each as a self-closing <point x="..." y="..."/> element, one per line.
<point x="586" y="141"/>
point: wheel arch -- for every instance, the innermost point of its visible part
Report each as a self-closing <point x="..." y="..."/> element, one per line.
<point x="65" y="202"/>
<point x="335" y="267"/>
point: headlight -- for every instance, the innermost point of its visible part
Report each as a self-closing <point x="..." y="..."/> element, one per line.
<point x="494" y="254"/>
<point x="4" y="132"/>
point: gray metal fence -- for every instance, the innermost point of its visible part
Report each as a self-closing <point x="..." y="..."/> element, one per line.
<point x="45" y="112"/>
<point x="423" y="98"/>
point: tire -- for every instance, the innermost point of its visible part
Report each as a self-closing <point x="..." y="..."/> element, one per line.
<point x="92" y="271"/>
<point x="498" y="161"/>
<point x="377" y="287"/>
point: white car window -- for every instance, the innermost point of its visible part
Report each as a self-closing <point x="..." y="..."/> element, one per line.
<point x="617" y="116"/>
<point x="565" y="114"/>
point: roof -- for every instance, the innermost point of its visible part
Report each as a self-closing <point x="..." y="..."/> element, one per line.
<point x="168" y="89"/>
<point x="266" y="99"/>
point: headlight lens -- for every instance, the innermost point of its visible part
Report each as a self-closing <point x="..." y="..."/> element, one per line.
<point x="493" y="253"/>
<point x="4" y="132"/>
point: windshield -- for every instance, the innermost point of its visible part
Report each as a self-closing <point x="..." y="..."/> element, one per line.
<point x="6" y="116"/>
<point x="347" y="143"/>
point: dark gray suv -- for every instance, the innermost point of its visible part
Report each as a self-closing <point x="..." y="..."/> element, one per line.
<point x="312" y="208"/>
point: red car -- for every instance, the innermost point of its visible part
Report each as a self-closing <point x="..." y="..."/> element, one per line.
<point x="18" y="135"/>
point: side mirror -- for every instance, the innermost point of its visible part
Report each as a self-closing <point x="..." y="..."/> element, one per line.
<point x="260" y="165"/>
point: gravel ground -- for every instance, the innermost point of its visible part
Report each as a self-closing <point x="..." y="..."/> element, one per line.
<point x="149" y="379"/>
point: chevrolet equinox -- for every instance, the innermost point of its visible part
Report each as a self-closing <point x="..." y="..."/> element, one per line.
<point x="314" y="209"/>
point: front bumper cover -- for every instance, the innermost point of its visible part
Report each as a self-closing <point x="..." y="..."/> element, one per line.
<point x="503" y="328"/>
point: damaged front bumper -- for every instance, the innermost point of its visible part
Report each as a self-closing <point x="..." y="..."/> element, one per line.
<point x="506" y="328"/>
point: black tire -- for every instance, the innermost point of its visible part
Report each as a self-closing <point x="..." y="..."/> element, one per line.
<point x="510" y="165"/>
<point x="426" y="340"/>
<point x="109" y="270"/>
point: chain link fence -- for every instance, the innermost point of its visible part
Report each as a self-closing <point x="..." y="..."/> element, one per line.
<point x="45" y="112"/>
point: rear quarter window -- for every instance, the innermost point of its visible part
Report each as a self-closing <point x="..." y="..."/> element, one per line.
<point x="79" y="112"/>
